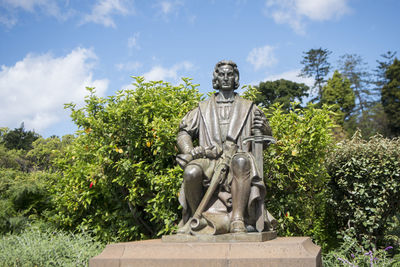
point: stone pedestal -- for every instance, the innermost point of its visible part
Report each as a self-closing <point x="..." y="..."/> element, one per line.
<point x="282" y="251"/>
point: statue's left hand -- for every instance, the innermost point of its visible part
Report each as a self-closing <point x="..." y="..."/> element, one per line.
<point x="198" y="152"/>
<point x="260" y="122"/>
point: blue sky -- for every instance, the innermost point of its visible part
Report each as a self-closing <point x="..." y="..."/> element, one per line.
<point x="50" y="50"/>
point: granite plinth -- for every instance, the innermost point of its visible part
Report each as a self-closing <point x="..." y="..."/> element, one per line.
<point x="281" y="251"/>
<point x="240" y="237"/>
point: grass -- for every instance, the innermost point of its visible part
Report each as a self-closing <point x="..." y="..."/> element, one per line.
<point x="36" y="246"/>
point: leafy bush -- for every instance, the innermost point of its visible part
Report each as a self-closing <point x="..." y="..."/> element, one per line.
<point x="119" y="177"/>
<point x="350" y="253"/>
<point x="295" y="174"/>
<point x="39" y="247"/>
<point x="23" y="197"/>
<point x="13" y="159"/>
<point x="365" y="186"/>
<point x="45" y="151"/>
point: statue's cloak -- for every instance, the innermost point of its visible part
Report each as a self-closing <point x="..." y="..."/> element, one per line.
<point x="202" y="124"/>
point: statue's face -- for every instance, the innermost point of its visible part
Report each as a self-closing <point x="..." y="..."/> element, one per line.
<point x="226" y="77"/>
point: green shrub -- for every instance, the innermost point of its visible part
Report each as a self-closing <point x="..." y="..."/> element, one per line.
<point x="350" y="253"/>
<point x="119" y="178"/>
<point x="23" y="197"/>
<point x="39" y="247"/>
<point x="295" y="174"/>
<point x="45" y="151"/>
<point x="365" y="186"/>
<point x="13" y="159"/>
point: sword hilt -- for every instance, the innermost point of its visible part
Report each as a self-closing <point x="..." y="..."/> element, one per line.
<point x="259" y="138"/>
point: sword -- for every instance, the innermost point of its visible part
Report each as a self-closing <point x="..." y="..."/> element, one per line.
<point x="258" y="139"/>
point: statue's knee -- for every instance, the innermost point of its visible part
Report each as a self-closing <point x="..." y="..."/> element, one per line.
<point x="240" y="166"/>
<point x="192" y="174"/>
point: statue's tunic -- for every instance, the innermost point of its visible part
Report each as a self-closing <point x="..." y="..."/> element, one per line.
<point x="213" y="125"/>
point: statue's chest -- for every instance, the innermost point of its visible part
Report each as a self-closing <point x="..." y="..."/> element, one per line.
<point x="224" y="111"/>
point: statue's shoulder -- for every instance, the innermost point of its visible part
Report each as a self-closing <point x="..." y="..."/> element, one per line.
<point x="244" y="101"/>
<point x="208" y="99"/>
<point x="203" y="105"/>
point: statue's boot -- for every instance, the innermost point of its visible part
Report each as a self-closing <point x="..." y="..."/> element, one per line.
<point x="237" y="226"/>
<point x="241" y="184"/>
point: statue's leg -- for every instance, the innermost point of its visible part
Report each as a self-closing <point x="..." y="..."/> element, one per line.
<point x="241" y="184"/>
<point x="193" y="186"/>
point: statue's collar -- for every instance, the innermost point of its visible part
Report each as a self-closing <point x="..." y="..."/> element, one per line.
<point x="225" y="100"/>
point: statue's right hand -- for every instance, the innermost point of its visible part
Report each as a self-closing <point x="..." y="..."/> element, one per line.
<point x="198" y="152"/>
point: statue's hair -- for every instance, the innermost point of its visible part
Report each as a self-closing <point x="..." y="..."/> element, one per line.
<point x="215" y="82"/>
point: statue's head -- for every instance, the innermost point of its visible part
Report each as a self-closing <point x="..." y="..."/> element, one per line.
<point x="226" y="75"/>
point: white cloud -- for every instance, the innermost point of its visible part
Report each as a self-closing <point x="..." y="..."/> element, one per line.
<point x="34" y="89"/>
<point x="8" y="20"/>
<point x="160" y="73"/>
<point x="133" y="41"/>
<point x="168" y="7"/>
<point x="291" y="75"/>
<point x="28" y="5"/>
<point x="47" y="7"/>
<point x="293" y="12"/>
<point x="129" y="66"/>
<point x="262" y="57"/>
<point x="104" y="9"/>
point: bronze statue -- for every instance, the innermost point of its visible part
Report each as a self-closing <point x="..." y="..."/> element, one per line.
<point x="223" y="189"/>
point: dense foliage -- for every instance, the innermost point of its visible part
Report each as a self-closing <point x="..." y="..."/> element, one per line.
<point x="391" y="97"/>
<point x="365" y="185"/>
<point x="24" y="197"/>
<point x="119" y="177"/>
<point x="337" y="92"/>
<point x="296" y="176"/>
<point x="280" y="91"/>
<point x="18" y="138"/>
<point x="350" y="253"/>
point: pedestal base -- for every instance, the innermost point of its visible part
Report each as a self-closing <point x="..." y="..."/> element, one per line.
<point x="282" y="251"/>
<point x="229" y="238"/>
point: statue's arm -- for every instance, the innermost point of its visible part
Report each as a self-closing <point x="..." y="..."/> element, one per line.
<point x="184" y="142"/>
<point x="188" y="132"/>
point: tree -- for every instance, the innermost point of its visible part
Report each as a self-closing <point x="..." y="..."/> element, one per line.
<point x="380" y="71"/>
<point x="280" y="91"/>
<point x="353" y="67"/>
<point x="391" y="97"/>
<point x="45" y="151"/>
<point x="295" y="173"/>
<point x="119" y="177"/>
<point x="316" y="65"/>
<point x="337" y="92"/>
<point x="19" y="138"/>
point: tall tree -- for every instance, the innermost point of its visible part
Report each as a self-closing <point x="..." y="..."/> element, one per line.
<point x="337" y="92"/>
<point x="19" y="138"/>
<point x="391" y="97"/>
<point x="316" y="65"/>
<point x="354" y="68"/>
<point x="380" y="71"/>
<point x="280" y="91"/>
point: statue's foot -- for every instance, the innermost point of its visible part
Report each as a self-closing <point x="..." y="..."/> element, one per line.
<point x="181" y="231"/>
<point x="184" y="230"/>
<point x="238" y="226"/>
